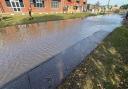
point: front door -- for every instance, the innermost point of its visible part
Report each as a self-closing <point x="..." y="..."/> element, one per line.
<point x="15" y="4"/>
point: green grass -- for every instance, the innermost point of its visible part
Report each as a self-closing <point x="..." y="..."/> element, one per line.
<point x="104" y="68"/>
<point x="24" y="19"/>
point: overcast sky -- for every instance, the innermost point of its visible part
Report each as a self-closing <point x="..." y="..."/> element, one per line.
<point x="112" y="2"/>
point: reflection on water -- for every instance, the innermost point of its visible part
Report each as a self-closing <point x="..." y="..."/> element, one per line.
<point x="23" y="47"/>
<point x="24" y="32"/>
<point x="60" y="67"/>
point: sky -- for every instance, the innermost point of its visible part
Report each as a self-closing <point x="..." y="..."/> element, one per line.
<point x="112" y="2"/>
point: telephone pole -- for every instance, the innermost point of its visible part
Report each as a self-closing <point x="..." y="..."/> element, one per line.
<point x="108" y="3"/>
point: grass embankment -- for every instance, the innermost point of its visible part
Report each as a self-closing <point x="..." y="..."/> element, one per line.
<point x="104" y="68"/>
<point x="24" y="19"/>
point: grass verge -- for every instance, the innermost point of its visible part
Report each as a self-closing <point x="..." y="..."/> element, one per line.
<point x="105" y="68"/>
<point x="24" y="19"/>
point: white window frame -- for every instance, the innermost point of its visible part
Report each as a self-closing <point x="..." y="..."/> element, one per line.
<point x="18" y="7"/>
<point x="38" y="2"/>
<point x="54" y="4"/>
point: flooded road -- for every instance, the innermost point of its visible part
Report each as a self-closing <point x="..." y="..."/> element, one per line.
<point x="24" y="47"/>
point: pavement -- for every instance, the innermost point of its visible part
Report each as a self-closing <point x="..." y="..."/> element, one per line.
<point x="33" y="52"/>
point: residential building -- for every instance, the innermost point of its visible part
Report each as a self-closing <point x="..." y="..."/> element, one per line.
<point x="97" y="9"/>
<point x="41" y="6"/>
<point x="115" y="8"/>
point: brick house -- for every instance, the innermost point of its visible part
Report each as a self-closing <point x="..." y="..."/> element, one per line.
<point x="41" y="6"/>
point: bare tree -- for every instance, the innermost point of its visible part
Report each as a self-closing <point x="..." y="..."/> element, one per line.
<point x="98" y="3"/>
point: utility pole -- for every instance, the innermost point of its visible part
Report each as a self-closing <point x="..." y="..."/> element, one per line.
<point x="108" y="3"/>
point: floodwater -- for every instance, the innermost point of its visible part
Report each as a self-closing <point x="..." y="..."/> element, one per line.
<point x="24" y="47"/>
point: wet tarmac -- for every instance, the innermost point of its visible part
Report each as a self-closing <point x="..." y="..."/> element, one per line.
<point x="26" y="48"/>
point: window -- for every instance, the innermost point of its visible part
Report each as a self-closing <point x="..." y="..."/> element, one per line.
<point x="32" y="1"/>
<point x="84" y="3"/>
<point x="18" y="3"/>
<point x="55" y="4"/>
<point x="21" y="3"/>
<point x="38" y="3"/>
<point x="75" y="7"/>
<point x="8" y="3"/>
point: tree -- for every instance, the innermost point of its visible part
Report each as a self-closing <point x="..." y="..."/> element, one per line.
<point x="97" y="3"/>
<point x="116" y="5"/>
<point x="124" y="6"/>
